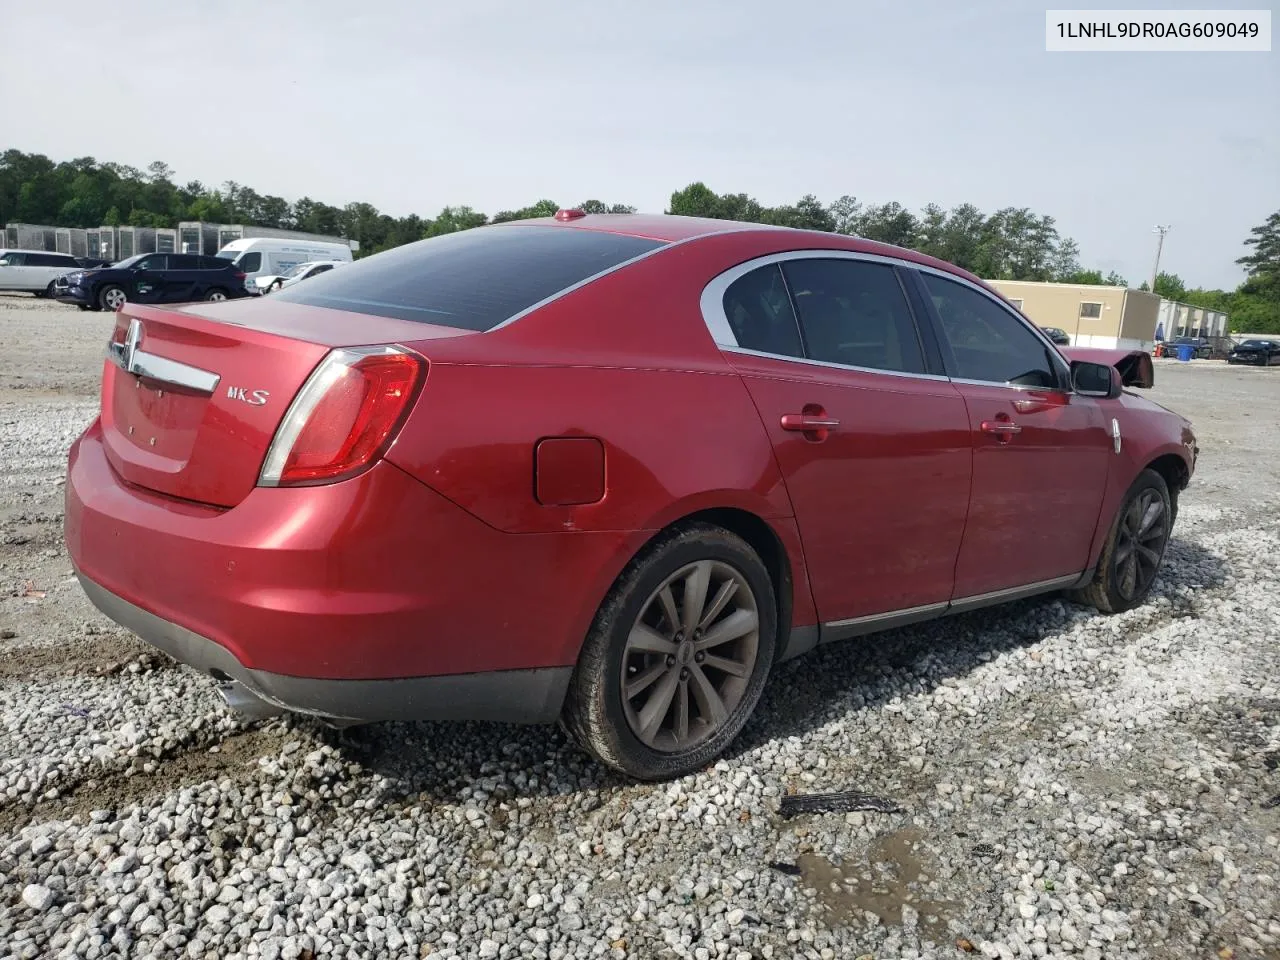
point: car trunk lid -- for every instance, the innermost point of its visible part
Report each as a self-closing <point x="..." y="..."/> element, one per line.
<point x="190" y="403"/>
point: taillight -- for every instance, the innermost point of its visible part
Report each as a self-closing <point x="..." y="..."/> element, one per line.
<point x="344" y="417"/>
<point x="241" y="276"/>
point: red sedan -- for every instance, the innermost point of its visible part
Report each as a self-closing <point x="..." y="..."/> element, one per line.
<point x="601" y="469"/>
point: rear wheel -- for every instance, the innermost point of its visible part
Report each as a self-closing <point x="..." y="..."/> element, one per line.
<point x="112" y="297"/>
<point x="677" y="656"/>
<point x="1134" y="551"/>
<point x="216" y="295"/>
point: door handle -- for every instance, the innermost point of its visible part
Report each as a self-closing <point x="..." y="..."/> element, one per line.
<point x="808" y="422"/>
<point x="1002" y="428"/>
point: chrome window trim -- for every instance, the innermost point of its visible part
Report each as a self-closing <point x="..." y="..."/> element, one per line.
<point x="1063" y="367"/>
<point x="711" y="304"/>
<point x="837" y="366"/>
<point x="662" y="245"/>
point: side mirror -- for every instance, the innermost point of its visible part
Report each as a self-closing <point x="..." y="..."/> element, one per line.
<point x="1095" y="379"/>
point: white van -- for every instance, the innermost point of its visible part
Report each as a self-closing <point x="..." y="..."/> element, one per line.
<point x="34" y="271"/>
<point x="273" y="256"/>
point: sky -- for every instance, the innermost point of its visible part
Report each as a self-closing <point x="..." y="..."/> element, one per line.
<point x="412" y="105"/>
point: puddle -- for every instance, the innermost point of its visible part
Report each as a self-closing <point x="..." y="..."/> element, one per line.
<point x="881" y="884"/>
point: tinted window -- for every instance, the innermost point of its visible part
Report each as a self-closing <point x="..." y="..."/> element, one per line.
<point x="181" y="261"/>
<point x="49" y="260"/>
<point x="854" y="313"/>
<point x="989" y="342"/>
<point x="13" y="259"/>
<point x="213" y="263"/>
<point x="250" y="262"/>
<point x="322" y="268"/>
<point x="473" y="279"/>
<point x="152" y="261"/>
<point x="760" y="313"/>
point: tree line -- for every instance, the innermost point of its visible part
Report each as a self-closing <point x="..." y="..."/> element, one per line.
<point x="1013" y="243"/>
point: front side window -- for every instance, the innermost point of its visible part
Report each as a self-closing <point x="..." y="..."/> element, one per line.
<point x="760" y="313"/>
<point x="13" y="260"/>
<point x="251" y="262"/>
<point x="1090" y="311"/>
<point x="152" y="261"/>
<point x="988" y="342"/>
<point x="854" y="313"/>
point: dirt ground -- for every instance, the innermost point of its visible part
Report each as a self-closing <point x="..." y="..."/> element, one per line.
<point x="51" y="363"/>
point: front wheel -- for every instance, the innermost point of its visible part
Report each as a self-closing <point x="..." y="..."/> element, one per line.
<point x="112" y="297"/>
<point x="677" y="656"/>
<point x="1135" y="548"/>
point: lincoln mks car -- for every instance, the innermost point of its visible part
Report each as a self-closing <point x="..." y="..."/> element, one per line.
<point x="606" y="470"/>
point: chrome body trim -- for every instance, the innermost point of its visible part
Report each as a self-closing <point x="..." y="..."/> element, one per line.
<point x="1116" y="441"/>
<point x="859" y="626"/>
<point x="835" y="630"/>
<point x="129" y="358"/>
<point x="1012" y="593"/>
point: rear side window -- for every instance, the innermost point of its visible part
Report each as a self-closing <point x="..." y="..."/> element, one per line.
<point x="760" y="313"/>
<point x="183" y="261"/>
<point x="854" y="313"/>
<point x="473" y="279"/>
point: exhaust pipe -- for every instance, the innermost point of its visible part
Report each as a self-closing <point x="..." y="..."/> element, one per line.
<point x="247" y="703"/>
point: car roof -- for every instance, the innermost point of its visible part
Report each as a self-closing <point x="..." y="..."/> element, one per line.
<point x="676" y="229"/>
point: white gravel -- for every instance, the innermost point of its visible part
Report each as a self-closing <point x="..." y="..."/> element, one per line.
<point x="1071" y="784"/>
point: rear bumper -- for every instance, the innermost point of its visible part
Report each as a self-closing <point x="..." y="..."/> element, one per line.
<point x="373" y="598"/>
<point x="513" y="696"/>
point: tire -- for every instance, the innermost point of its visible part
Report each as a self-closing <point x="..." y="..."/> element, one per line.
<point x="111" y="297"/>
<point x="1110" y="590"/>
<point x="216" y="294"/>
<point x="611" y="726"/>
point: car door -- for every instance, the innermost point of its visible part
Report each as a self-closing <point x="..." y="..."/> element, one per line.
<point x="1040" y="451"/>
<point x="872" y="442"/>
<point x="12" y="270"/>
<point x="183" y="279"/>
<point x="146" y="281"/>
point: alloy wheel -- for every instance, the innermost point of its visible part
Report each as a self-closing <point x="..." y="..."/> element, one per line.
<point x="217" y="295"/>
<point x="690" y="656"/>
<point x="1140" y="543"/>
<point x="115" y="298"/>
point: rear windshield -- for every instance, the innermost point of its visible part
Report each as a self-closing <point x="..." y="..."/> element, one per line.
<point x="473" y="279"/>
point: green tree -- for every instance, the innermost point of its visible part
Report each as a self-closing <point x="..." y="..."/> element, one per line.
<point x="1115" y="280"/>
<point x="1084" y="276"/>
<point x="1170" y="286"/>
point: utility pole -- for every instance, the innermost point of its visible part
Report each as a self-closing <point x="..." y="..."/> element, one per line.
<point x="1155" y="270"/>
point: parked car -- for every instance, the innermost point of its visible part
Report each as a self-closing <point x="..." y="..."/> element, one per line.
<point x="603" y="469"/>
<point x="1260" y="352"/>
<point x="269" y="283"/>
<point x="1058" y="336"/>
<point x="259" y="257"/>
<point x="33" y="271"/>
<point x="153" y="278"/>
<point x="1203" y="347"/>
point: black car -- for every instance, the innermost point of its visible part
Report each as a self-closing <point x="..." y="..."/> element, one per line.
<point x="152" y="278"/>
<point x="1057" y="335"/>
<point x="1203" y="347"/>
<point x="1261" y="352"/>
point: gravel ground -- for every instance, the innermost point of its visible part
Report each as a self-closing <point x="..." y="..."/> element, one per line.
<point x="1069" y="784"/>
